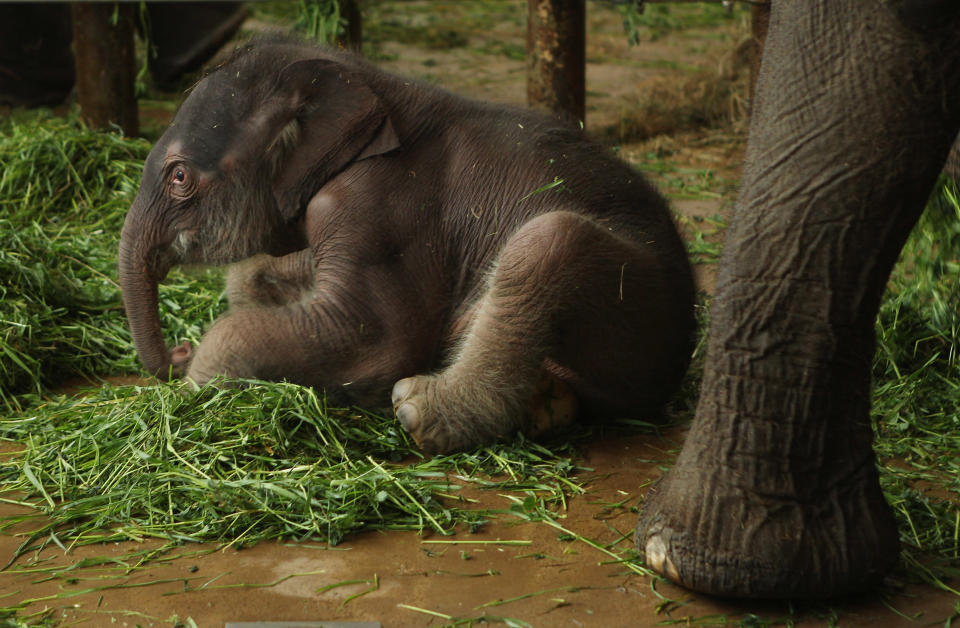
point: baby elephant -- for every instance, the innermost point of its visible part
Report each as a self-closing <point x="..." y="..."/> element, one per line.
<point x="484" y="263"/>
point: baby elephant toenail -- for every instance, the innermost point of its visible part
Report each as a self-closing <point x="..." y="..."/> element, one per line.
<point x="408" y="415"/>
<point x="401" y="390"/>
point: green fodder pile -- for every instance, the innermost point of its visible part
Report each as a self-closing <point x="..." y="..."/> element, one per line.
<point x="916" y="401"/>
<point x="241" y="465"/>
<point x="64" y="191"/>
<point x="62" y="194"/>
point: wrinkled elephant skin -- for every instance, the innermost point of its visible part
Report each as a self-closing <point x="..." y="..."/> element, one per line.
<point x="493" y="269"/>
<point x="775" y="492"/>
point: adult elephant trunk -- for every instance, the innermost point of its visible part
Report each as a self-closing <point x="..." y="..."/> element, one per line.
<point x="143" y="263"/>
<point x="776" y="493"/>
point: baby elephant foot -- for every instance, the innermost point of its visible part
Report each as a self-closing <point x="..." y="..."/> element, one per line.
<point x="444" y="414"/>
<point x="443" y="417"/>
<point x="415" y="407"/>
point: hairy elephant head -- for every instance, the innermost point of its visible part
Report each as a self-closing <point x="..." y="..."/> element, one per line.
<point x="230" y="178"/>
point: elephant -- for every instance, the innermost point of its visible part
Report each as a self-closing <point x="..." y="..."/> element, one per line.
<point x="775" y="492"/>
<point x="485" y="269"/>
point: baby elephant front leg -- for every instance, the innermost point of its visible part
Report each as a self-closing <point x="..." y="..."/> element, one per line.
<point x="263" y="292"/>
<point x="263" y="280"/>
<point x="260" y="343"/>
<point x="560" y="271"/>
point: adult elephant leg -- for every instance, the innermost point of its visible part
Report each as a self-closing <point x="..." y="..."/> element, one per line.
<point x="775" y="493"/>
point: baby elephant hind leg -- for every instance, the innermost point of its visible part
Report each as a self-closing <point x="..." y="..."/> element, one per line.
<point x="263" y="280"/>
<point x="567" y="296"/>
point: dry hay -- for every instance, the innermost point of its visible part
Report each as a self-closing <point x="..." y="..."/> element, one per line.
<point x="704" y="98"/>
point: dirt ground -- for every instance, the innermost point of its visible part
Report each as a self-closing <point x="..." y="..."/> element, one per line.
<point x="510" y="572"/>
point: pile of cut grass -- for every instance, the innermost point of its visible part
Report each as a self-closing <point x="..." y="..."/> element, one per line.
<point x="64" y="191"/>
<point x="916" y="400"/>
<point x="701" y="98"/>
<point x="267" y="461"/>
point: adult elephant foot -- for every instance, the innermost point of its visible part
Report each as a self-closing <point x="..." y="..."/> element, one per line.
<point x="740" y="530"/>
<point x="775" y="493"/>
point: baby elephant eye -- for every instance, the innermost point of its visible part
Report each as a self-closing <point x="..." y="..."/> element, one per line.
<point x="181" y="182"/>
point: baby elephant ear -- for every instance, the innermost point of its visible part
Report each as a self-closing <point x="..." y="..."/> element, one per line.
<point x="336" y="119"/>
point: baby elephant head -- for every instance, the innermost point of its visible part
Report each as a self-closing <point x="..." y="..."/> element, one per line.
<point x="230" y="178"/>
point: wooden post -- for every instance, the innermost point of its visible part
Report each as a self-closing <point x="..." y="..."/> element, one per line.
<point x="556" y="56"/>
<point x="353" y="38"/>
<point x="105" y="64"/>
<point x="759" y="23"/>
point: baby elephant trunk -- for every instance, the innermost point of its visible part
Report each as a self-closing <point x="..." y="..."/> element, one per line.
<point x="142" y="265"/>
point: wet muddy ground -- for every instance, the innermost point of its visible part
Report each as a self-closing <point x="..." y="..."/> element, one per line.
<point x="511" y="571"/>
